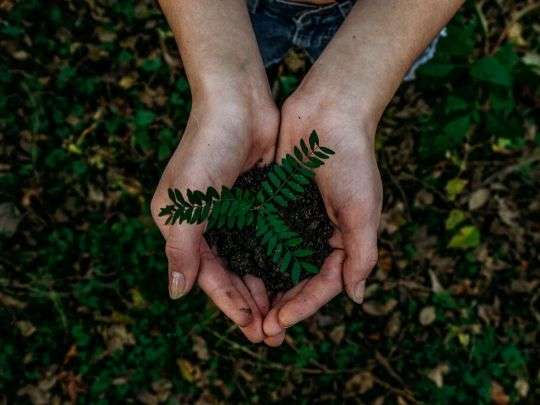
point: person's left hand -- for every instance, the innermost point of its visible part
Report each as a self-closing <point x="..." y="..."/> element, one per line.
<point x="351" y="189"/>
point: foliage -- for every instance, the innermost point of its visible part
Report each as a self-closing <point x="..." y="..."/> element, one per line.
<point x="238" y="208"/>
<point x="92" y="103"/>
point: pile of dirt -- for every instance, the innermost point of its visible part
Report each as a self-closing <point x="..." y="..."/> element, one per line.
<point x="242" y="251"/>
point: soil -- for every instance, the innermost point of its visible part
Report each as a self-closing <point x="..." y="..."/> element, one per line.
<point x="243" y="252"/>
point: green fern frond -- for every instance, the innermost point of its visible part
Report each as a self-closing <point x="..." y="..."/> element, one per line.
<point x="239" y="208"/>
<point x="283" y="245"/>
<point x="287" y="180"/>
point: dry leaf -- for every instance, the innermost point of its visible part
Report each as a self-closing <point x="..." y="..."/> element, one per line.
<point x="498" y="396"/>
<point x="189" y="371"/>
<point x="337" y="334"/>
<point x="116" y="337"/>
<point x="26" y="328"/>
<point x="394" y="325"/>
<point x="200" y="348"/>
<point x="478" y="198"/>
<point x="147" y="399"/>
<point x="436" y="286"/>
<point x="437" y="374"/>
<point x="427" y="315"/>
<point x="9" y="219"/>
<point x="377" y="309"/>
<point x="359" y="383"/>
<point x="162" y="389"/>
<point x="9" y="301"/>
<point x="522" y="387"/>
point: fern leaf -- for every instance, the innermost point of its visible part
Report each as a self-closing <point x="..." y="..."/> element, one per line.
<point x="295" y="272"/>
<point x="304" y="148"/>
<point x="313" y="139"/>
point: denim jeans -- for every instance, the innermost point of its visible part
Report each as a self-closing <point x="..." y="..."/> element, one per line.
<point x="282" y="24"/>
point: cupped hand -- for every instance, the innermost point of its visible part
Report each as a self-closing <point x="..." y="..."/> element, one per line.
<point x="351" y="189"/>
<point x="220" y="142"/>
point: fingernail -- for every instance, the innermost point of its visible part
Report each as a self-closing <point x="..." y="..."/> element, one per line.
<point x="359" y="292"/>
<point x="177" y="283"/>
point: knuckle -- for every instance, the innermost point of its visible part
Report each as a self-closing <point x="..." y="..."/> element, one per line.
<point x="174" y="253"/>
<point x="372" y="258"/>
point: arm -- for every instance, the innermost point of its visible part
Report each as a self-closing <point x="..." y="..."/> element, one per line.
<point x="343" y="97"/>
<point x="232" y="126"/>
<point x="367" y="59"/>
<point x="218" y="48"/>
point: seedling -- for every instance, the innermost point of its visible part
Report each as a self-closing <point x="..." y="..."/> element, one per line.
<point x="237" y="208"/>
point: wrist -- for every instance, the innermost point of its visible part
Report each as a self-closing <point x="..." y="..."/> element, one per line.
<point x="327" y="111"/>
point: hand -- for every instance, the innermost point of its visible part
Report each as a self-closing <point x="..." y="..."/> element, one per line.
<point x="219" y="143"/>
<point x="351" y="189"/>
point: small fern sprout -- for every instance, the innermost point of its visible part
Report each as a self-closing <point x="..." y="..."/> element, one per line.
<point x="237" y="208"/>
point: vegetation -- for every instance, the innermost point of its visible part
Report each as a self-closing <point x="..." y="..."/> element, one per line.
<point x="93" y="101"/>
<point x="238" y="208"/>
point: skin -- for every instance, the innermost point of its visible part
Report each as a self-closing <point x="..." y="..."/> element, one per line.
<point x="343" y="97"/>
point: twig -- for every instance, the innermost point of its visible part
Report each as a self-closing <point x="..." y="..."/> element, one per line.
<point x="512" y="168"/>
<point x="515" y="18"/>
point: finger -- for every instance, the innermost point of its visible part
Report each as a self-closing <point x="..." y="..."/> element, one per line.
<point x="268" y="157"/>
<point x="183" y="255"/>
<point x="253" y="331"/>
<point x="361" y="250"/>
<point x="258" y="292"/>
<point x="318" y="291"/>
<point x="336" y="240"/>
<point x="217" y="283"/>
<point x="271" y="325"/>
<point x="277" y="340"/>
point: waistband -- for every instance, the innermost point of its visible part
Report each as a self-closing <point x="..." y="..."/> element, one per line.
<point x="295" y="7"/>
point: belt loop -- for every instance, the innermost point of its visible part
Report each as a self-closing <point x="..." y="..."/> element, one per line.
<point x="345" y="7"/>
<point x="253" y="5"/>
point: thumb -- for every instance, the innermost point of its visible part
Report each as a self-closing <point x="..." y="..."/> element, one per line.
<point x="361" y="257"/>
<point x="183" y="255"/>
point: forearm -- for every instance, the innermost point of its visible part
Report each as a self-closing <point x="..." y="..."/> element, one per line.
<point x="218" y="47"/>
<point x="371" y="52"/>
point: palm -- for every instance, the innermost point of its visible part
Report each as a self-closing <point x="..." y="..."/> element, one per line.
<point x="350" y="186"/>
<point x="215" y="150"/>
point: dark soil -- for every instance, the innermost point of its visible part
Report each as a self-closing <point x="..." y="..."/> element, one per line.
<point x="242" y="249"/>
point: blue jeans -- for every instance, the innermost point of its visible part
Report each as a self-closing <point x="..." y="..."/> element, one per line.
<point x="282" y="24"/>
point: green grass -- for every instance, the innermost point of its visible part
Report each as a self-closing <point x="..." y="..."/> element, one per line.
<point x="90" y="111"/>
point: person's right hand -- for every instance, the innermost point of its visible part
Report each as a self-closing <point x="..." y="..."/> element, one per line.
<point x="225" y="137"/>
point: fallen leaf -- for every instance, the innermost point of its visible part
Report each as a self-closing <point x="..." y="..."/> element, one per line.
<point x="436" y="286"/>
<point x="464" y="339"/>
<point x="359" y="383"/>
<point x="9" y="301"/>
<point x="337" y="334"/>
<point x="394" y="325"/>
<point x="515" y="34"/>
<point x="190" y="372"/>
<point x="10" y="217"/>
<point x="498" y="396"/>
<point x="26" y="328"/>
<point x="116" y="337"/>
<point x="467" y="237"/>
<point x="162" y="388"/>
<point x="454" y="219"/>
<point x="478" y="198"/>
<point x="147" y="398"/>
<point x="437" y="374"/>
<point x="427" y="315"/>
<point x="126" y="82"/>
<point x="454" y="187"/>
<point x="522" y="387"/>
<point x="200" y="348"/>
<point x="377" y="309"/>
